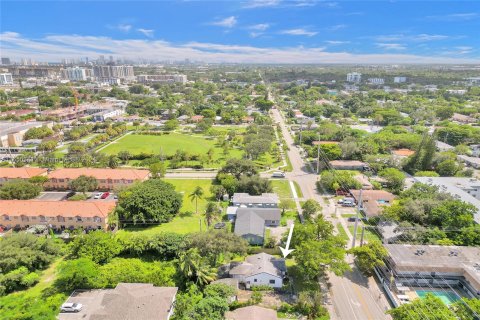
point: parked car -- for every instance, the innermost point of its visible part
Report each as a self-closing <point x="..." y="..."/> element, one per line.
<point x="353" y="219"/>
<point x="105" y="195"/>
<point x="348" y="203"/>
<point x="278" y="174"/>
<point x="70" y="194"/>
<point x="71" y="307"/>
<point x="97" y="195"/>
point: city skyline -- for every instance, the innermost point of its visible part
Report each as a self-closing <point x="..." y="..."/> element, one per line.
<point x="271" y="31"/>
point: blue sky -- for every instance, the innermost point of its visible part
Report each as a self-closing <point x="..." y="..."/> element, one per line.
<point x="301" y="31"/>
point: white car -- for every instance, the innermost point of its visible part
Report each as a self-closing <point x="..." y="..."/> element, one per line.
<point x="97" y="195"/>
<point x="71" y="307"/>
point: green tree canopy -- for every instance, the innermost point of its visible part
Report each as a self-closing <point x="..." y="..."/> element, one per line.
<point x="20" y="190"/>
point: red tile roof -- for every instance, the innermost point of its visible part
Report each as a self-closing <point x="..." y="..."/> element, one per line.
<point x="88" y="209"/>
<point x="21" y="173"/>
<point x="73" y="173"/>
<point x="403" y="152"/>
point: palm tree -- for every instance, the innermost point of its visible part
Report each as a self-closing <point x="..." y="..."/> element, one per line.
<point x="195" y="195"/>
<point x="211" y="212"/>
<point x="194" y="267"/>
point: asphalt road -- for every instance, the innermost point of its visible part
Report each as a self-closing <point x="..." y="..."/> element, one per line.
<point x="353" y="296"/>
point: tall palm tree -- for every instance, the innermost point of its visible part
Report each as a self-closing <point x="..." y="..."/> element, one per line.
<point x="195" y="268"/>
<point x="195" y="195"/>
<point x="211" y="212"/>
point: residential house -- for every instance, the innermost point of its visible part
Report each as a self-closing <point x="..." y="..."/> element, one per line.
<point x="348" y="165"/>
<point x="196" y="118"/>
<point x="250" y="223"/>
<point x="373" y="201"/>
<point x="266" y="200"/>
<point x="259" y="269"/>
<point x="108" y="179"/>
<point x="251" y="313"/>
<point x="442" y="146"/>
<point x="473" y="162"/>
<point x="461" y="118"/>
<point x="402" y="153"/>
<point x="127" y="301"/>
<point x="57" y="214"/>
<point x="24" y="173"/>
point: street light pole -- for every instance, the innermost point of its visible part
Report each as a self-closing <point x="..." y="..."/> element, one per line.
<point x="318" y="154"/>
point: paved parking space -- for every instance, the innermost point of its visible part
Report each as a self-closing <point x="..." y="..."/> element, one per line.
<point x="52" y="196"/>
<point x="91" y="300"/>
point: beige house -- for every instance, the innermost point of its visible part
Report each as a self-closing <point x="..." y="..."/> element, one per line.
<point x="108" y="179"/>
<point x="56" y="214"/>
<point x="7" y="174"/>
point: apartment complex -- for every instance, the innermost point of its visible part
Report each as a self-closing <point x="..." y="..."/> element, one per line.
<point x="105" y="73"/>
<point x="6" y="79"/>
<point x="400" y="79"/>
<point x="354" y="77"/>
<point x="376" y="81"/>
<point x="107" y="179"/>
<point x="77" y="74"/>
<point x="56" y="214"/>
<point x="25" y="173"/>
<point x="162" y="78"/>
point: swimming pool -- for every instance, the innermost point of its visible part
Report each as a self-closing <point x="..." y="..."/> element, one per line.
<point x="447" y="297"/>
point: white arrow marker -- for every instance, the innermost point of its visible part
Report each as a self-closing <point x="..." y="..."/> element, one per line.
<point x="286" y="251"/>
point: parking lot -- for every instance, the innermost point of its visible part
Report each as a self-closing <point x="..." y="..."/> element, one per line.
<point x="58" y="196"/>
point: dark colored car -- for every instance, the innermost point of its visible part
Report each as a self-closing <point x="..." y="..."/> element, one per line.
<point x="70" y="194"/>
<point x="219" y="225"/>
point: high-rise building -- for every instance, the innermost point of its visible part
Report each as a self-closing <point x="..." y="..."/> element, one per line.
<point x="400" y="79"/>
<point x="6" y="79"/>
<point x="115" y="72"/>
<point x="75" y="74"/>
<point x="162" y="78"/>
<point x="6" y="61"/>
<point x="354" y="77"/>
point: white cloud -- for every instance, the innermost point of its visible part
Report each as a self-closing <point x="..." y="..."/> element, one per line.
<point x="124" y="27"/>
<point x="336" y="42"/>
<point x="337" y="27"/>
<point x="229" y="22"/>
<point x="299" y="32"/>
<point x="455" y="17"/>
<point x="57" y="47"/>
<point x="391" y="46"/>
<point x="422" y="37"/>
<point x="260" y="26"/>
<point x="146" y="32"/>
<point x="261" y="4"/>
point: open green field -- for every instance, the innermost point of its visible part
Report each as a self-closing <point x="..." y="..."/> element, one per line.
<point x="168" y="144"/>
<point x="282" y="188"/>
<point x="186" y="187"/>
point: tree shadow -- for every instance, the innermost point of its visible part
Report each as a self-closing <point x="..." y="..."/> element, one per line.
<point x="357" y="277"/>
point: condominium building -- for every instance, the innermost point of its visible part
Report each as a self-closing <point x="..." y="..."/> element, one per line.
<point x="6" y="79"/>
<point x="377" y="81"/>
<point x="76" y="74"/>
<point x="400" y="79"/>
<point x="354" y="77"/>
<point x="117" y="72"/>
<point x="162" y="78"/>
<point x="6" y="61"/>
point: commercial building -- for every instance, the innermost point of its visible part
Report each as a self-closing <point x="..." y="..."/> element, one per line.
<point x="354" y="77"/>
<point x="162" y="78"/>
<point x="465" y="189"/>
<point x="6" y="79"/>
<point x="260" y="269"/>
<point x="400" y="79"/>
<point x="107" y="114"/>
<point x="107" y="179"/>
<point x="12" y="133"/>
<point x="126" y="301"/>
<point x="58" y="215"/>
<point x="415" y="267"/>
<point x="25" y="173"/>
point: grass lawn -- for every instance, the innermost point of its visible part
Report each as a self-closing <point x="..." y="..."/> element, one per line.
<point x="342" y="232"/>
<point x="297" y="188"/>
<point x="289" y="215"/>
<point x="169" y="144"/>
<point x="187" y="221"/>
<point x="368" y="236"/>
<point x="282" y="188"/>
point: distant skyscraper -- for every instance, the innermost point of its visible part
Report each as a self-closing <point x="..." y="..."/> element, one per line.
<point x="6" y="61"/>
<point x="354" y="77"/>
<point x="101" y="59"/>
<point x="111" y="59"/>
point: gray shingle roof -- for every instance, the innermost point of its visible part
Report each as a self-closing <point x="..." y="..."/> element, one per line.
<point x="245" y="198"/>
<point x="251" y="221"/>
<point x="251" y="313"/>
<point x="258" y="263"/>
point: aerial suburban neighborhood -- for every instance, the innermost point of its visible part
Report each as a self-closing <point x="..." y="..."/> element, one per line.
<point x="145" y="178"/>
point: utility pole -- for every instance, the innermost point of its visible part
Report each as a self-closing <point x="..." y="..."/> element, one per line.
<point x="300" y="135"/>
<point x="318" y="154"/>
<point x="356" y="219"/>
<point x="361" y="237"/>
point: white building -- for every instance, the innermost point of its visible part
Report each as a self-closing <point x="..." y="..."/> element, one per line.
<point x="400" y="79"/>
<point x="76" y="74"/>
<point x="6" y="79"/>
<point x="162" y="78"/>
<point x="260" y="269"/>
<point x="376" y="81"/>
<point x="113" y="72"/>
<point x="107" y="114"/>
<point x="354" y="77"/>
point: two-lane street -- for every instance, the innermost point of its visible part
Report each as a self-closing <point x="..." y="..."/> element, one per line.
<point x="352" y="297"/>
